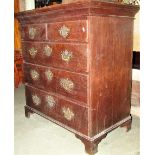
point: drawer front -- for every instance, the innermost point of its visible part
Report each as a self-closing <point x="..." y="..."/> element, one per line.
<point x="59" y="81"/>
<point x="66" y="56"/>
<point x="64" y="111"/>
<point x="68" y="31"/>
<point x="33" y="32"/>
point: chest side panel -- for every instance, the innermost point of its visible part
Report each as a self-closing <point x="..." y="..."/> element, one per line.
<point x="110" y="76"/>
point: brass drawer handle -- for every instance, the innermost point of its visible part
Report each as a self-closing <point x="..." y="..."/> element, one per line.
<point x="66" y="56"/>
<point x="64" y="31"/>
<point x="67" y="84"/>
<point x="36" y="100"/>
<point x="50" y="101"/>
<point x="47" y="51"/>
<point x="68" y="114"/>
<point x="34" y="74"/>
<point x="32" y="32"/>
<point x="33" y="52"/>
<point x="49" y="75"/>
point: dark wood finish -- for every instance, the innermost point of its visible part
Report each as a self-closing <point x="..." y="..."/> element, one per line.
<point x="79" y="121"/>
<point x="28" y="112"/>
<point x="127" y="125"/>
<point x="78" y="31"/>
<point x="110" y="71"/>
<point x="91" y="147"/>
<point x="40" y="32"/>
<point x="100" y="37"/>
<point x="77" y="10"/>
<point x="79" y="92"/>
<point x="77" y="63"/>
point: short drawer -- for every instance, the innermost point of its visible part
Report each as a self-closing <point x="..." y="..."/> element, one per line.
<point x="74" y="31"/>
<point x="65" y="83"/>
<point x="64" y="111"/>
<point x="72" y="57"/>
<point x="33" y="32"/>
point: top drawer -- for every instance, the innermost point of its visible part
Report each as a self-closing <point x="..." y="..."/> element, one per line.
<point x="72" y="31"/>
<point x="68" y="31"/>
<point x="33" y="32"/>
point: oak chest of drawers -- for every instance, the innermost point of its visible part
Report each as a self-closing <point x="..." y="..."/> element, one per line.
<point x="77" y="66"/>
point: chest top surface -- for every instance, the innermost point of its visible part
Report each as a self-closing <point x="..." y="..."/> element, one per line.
<point x="76" y="10"/>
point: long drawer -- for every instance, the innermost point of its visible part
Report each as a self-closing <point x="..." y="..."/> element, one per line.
<point x="57" y="108"/>
<point x="72" y="57"/>
<point x="71" y="85"/>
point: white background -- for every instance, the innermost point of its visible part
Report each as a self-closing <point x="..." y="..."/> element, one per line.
<point x="6" y="77"/>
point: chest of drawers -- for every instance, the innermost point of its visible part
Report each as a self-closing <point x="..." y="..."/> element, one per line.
<point x="77" y="66"/>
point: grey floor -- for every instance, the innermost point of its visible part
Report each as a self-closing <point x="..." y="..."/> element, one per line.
<point x="38" y="136"/>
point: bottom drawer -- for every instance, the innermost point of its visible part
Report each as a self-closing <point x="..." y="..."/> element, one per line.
<point x="64" y="111"/>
